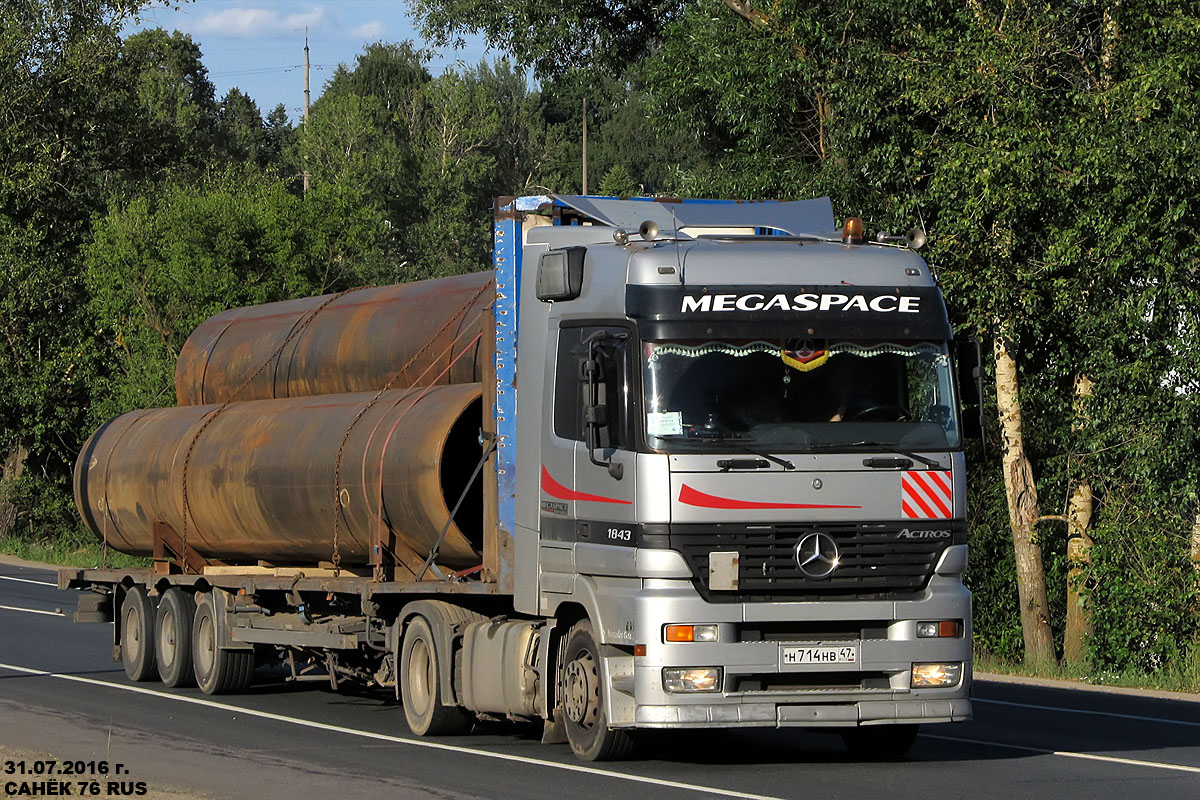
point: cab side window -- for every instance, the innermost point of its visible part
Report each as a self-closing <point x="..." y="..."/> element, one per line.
<point x="571" y="389"/>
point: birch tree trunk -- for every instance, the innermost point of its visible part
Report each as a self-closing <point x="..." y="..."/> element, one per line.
<point x="1196" y="541"/>
<point x="1079" y="547"/>
<point x="1079" y="557"/>
<point x="1023" y="509"/>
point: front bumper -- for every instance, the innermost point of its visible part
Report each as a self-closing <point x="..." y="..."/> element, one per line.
<point x="757" y="688"/>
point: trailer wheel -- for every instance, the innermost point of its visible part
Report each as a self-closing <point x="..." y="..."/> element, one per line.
<point x="420" y="685"/>
<point x="173" y="639"/>
<point x="137" y="635"/>
<point x="219" y="670"/>
<point x="582" y="701"/>
<point x="880" y="742"/>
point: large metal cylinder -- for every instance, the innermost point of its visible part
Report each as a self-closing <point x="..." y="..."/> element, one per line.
<point x="353" y="344"/>
<point x="260" y="477"/>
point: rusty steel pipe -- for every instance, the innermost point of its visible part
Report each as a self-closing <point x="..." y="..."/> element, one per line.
<point x="354" y="344"/>
<point x="261" y="476"/>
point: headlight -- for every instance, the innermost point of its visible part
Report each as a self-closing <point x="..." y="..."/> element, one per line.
<point x="692" y="679"/>
<point x="946" y="629"/>
<point x="925" y="676"/>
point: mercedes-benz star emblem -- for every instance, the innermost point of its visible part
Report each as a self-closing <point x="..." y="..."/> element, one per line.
<point x="817" y="555"/>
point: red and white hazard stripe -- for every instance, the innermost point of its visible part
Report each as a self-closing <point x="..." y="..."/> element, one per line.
<point x="926" y="494"/>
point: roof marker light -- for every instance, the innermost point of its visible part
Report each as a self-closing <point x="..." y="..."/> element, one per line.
<point x="852" y="231"/>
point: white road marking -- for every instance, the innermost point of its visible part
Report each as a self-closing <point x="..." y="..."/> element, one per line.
<point x="396" y="739"/>
<point x="27" y="580"/>
<point x="1085" y="711"/>
<point x="33" y="611"/>
<point x="1068" y="754"/>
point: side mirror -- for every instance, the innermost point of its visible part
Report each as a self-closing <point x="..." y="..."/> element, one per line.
<point x="969" y="359"/>
<point x="560" y="274"/>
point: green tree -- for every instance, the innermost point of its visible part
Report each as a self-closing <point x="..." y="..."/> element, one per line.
<point x="618" y="182"/>
<point x="241" y="133"/>
<point x="278" y="135"/>
<point x="554" y="36"/>
<point x="64" y="130"/>
<point x="173" y="99"/>
<point x="163" y="263"/>
<point x="482" y="137"/>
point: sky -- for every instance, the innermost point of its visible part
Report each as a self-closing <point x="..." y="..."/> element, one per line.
<point x="258" y="45"/>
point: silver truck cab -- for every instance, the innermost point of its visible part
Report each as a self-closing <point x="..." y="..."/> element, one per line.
<point x="738" y="457"/>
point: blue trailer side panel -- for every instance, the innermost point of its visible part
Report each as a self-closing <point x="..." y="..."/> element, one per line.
<point x="506" y="260"/>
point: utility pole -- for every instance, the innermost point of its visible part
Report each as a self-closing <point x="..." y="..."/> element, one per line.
<point x="585" y="145"/>
<point x="306" y="98"/>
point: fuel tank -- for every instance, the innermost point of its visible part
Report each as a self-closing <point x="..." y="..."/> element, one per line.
<point x="260" y="476"/>
<point x="351" y="343"/>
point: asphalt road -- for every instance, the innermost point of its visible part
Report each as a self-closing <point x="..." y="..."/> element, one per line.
<point x="61" y="694"/>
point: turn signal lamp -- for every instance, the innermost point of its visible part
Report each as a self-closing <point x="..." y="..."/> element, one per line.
<point x="928" y="676"/>
<point x="852" y="231"/>
<point x="692" y="679"/>
<point x="690" y="633"/>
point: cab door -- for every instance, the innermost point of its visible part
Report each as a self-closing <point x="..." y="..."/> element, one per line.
<point x="591" y="419"/>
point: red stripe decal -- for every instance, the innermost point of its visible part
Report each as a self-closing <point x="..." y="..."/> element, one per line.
<point x="926" y="495"/>
<point x="694" y="497"/>
<point x="932" y="494"/>
<point x="920" y="501"/>
<point x="556" y="489"/>
<point x="945" y="498"/>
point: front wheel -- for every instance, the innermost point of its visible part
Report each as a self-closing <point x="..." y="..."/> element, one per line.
<point x="421" y="687"/>
<point x="880" y="742"/>
<point x="583" y="701"/>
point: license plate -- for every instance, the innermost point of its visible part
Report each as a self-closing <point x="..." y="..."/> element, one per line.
<point x="847" y="654"/>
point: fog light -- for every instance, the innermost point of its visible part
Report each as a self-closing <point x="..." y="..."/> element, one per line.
<point x="692" y="679"/>
<point x="931" y="675"/>
<point x="690" y="633"/>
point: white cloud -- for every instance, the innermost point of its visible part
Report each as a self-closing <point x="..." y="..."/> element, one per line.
<point x="248" y="22"/>
<point x="374" y="29"/>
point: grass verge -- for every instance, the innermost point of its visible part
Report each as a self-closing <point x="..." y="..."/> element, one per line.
<point x="1181" y="676"/>
<point x="66" y="553"/>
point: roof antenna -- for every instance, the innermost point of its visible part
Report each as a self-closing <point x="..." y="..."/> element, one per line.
<point x="917" y="242"/>
<point x="678" y="258"/>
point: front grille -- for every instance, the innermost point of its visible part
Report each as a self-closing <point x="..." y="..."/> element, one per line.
<point x="876" y="563"/>
<point x="812" y="631"/>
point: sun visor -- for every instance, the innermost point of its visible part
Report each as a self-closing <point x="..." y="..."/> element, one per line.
<point x="852" y="312"/>
<point x="793" y="218"/>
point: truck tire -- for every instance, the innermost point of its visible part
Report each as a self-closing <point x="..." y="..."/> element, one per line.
<point x="137" y="635"/>
<point x="880" y="742"/>
<point x="173" y="638"/>
<point x="421" y="687"/>
<point x="582" y="700"/>
<point x="219" y="670"/>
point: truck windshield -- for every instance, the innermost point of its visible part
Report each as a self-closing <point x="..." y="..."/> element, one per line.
<point x="789" y="395"/>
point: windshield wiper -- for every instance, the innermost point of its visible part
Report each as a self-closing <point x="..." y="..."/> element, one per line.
<point x="746" y="449"/>
<point x="787" y="465"/>
<point x="929" y="462"/>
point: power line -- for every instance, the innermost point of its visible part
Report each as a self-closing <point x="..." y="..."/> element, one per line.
<point x="266" y="70"/>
